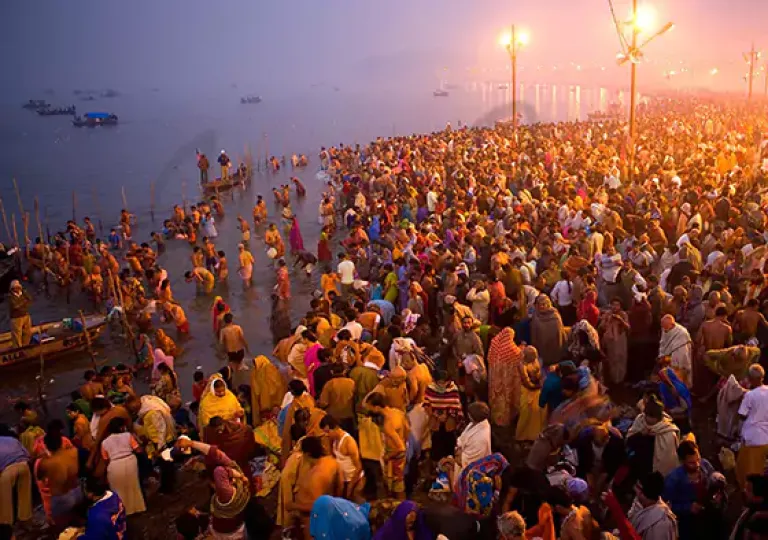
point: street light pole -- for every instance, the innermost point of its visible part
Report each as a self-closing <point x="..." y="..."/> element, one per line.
<point x="633" y="92"/>
<point x="513" y="57"/>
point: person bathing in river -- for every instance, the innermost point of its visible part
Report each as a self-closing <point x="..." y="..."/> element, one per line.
<point x="301" y="191"/>
<point x="246" y="265"/>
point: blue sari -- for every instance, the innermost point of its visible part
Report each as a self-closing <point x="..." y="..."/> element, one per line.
<point x="668" y="397"/>
<point x="333" y="517"/>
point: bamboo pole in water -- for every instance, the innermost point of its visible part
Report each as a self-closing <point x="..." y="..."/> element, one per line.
<point x="125" y="200"/>
<point x="152" y="200"/>
<point x="115" y="280"/>
<point x="25" y="221"/>
<point x="88" y="343"/>
<point x="98" y="210"/>
<point x="15" y="234"/>
<point x="74" y="206"/>
<point x="40" y="233"/>
<point x="24" y="217"/>
<point x="5" y="222"/>
<point x="184" y="196"/>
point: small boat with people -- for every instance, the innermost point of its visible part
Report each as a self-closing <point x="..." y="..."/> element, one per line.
<point x="52" y="340"/>
<point x="440" y="93"/>
<point x="241" y="176"/>
<point x="57" y="111"/>
<point x="35" y="104"/>
<point x="613" y="113"/>
<point x="247" y="100"/>
<point x="94" y="119"/>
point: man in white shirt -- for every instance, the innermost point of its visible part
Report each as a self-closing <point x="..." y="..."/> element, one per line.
<point x="353" y="327"/>
<point x="346" y="270"/>
<point x="754" y="430"/>
<point x="431" y="200"/>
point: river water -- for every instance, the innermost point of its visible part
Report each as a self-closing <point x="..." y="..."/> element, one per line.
<point x="153" y="149"/>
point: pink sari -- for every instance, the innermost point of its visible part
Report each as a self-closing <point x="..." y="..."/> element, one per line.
<point x="160" y="358"/>
<point x="297" y="242"/>
<point x="312" y="362"/>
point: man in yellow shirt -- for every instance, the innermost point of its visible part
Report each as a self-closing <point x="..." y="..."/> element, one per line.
<point x="204" y="279"/>
<point x="329" y="282"/>
<point x="337" y="397"/>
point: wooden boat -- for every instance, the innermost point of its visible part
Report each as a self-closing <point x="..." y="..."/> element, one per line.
<point x="35" y="104"/>
<point x="233" y="181"/>
<point x="440" y="93"/>
<point x="57" y="340"/>
<point x="59" y="111"/>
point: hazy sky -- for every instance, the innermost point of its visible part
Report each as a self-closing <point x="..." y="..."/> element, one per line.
<point x="204" y="45"/>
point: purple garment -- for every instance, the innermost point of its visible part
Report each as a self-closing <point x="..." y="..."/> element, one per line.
<point x="421" y="214"/>
<point x="297" y="242"/>
<point x="394" y="528"/>
<point x="312" y="362"/>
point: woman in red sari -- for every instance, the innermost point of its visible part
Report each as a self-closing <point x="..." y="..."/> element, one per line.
<point x="218" y="310"/>
<point x="504" y="359"/>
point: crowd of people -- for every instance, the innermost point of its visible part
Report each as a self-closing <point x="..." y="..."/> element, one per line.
<point x="510" y="342"/>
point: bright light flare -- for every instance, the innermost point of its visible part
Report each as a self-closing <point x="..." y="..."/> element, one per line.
<point x="645" y="18"/>
<point x="521" y="38"/>
<point x="714" y="71"/>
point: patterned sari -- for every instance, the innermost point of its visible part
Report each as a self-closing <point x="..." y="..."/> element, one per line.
<point x="504" y="358"/>
<point x="478" y="484"/>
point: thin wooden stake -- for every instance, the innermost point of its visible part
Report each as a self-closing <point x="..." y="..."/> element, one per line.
<point x="5" y="222"/>
<point x="126" y="326"/>
<point x="25" y="221"/>
<point x="184" y="195"/>
<point x="74" y="206"/>
<point x="24" y="217"/>
<point x="40" y="233"/>
<point x="152" y="200"/>
<point x="15" y="234"/>
<point x="88" y="343"/>
<point x="125" y="200"/>
<point x="98" y="210"/>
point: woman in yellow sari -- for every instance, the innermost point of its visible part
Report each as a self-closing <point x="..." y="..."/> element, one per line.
<point x="533" y="418"/>
<point x="217" y="400"/>
<point x="267" y="389"/>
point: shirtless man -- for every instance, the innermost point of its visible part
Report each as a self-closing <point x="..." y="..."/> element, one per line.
<point x="347" y="454"/>
<point x="58" y="471"/>
<point x="318" y="474"/>
<point x="259" y="211"/>
<point x="748" y="321"/>
<point x="233" y="339"/>
<point x="92" y="387"/>
<point x="394" y="431"/>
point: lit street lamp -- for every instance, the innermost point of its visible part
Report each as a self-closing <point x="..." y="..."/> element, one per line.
<point x="512" y="42"/>
<point x="642" y="20"/>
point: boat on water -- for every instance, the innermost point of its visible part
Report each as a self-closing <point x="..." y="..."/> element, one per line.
<point x="613" y="113"/>
<point x="225" y="185"/>
<point x="250" y="99"/>
<point x="440" y="93"/>
<point x="35" y="104"/>
<point x="94" y="119"/>
<point x="503" y="87"/>
<point x="237" y="179"/>
<point x="57" y="111"/>
<point x="52" y="340"/>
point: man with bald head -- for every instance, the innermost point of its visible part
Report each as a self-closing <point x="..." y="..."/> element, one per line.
<point x="676" y="344"/>
<point x="754" y="429"/>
